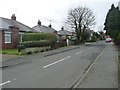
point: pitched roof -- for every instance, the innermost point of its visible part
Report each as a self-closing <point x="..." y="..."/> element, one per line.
<point x="64" y="33"/>
<point x="89" y="31"/>
<point x="6" y="23"/>
<point x="44" y="29"/>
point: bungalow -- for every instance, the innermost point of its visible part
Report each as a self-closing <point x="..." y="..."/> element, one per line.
<point x="65" y="34"/>
<point x="39" y="28"/>
<point x="43" y="29"/>
<point x="11" y="32"/>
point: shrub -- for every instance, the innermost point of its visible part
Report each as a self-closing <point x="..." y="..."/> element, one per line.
<point x="20" y="47"/>
<point x="93" y="39"/>
<point x="117" y="41"/>
<point x="62" y="43"/>
<point x="29" y="52"/>
<point x="42" y="50"/>
<point x="36" y="51"/>
<point x="41" y="43"/>
<point x="118" y="36"/>
<point x="39" y="36"/>
<point x="47" y="49"/>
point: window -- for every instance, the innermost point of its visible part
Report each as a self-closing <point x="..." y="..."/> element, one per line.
<point x="7" y="37"/>
<point x="21" y="36"/>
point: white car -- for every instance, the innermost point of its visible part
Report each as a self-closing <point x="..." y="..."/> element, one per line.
<point x="108" y="39"/>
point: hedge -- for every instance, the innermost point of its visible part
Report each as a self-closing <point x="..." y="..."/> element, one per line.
<point x="118" y="36"/>
<point x="41" y="43"/>
<point x="39" y="36"/>
<point x="117" y="41"/>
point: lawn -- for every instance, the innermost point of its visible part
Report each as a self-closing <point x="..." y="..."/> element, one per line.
<point x="9" y="51"/>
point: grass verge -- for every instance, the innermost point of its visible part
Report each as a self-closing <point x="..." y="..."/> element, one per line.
<point x="10" y="51"/>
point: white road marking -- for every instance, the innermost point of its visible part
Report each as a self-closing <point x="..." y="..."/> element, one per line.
<point x="56" y="62"/>
<point x="5" y="83"/>
<point x="78" y="53"/>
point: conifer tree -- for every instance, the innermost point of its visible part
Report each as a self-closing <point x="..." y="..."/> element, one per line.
<point x="112" y="22"/>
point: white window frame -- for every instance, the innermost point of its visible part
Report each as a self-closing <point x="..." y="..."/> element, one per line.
<point x="21" y="35"/>
<point x="7" y="35"/>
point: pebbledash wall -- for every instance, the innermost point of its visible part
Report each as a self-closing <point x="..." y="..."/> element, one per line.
<point x="14" y="39"/>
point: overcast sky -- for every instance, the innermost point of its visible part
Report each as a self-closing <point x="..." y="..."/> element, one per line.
<point x="52" y="11"/>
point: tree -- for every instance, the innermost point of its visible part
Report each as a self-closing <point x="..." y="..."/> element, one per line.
<point x="102" y="35"/>
<point x="112" y="22"/>
<point x="79" y="19"/>
<point x="97" y="35"/>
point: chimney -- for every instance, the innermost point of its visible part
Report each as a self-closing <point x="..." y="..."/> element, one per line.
<point x="50" y="25"/>
<point x="39" y="22"/>
<point x="13" y="17"/>
<point x="62" y="28"/>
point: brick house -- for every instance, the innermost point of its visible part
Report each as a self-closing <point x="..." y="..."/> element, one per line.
<point x="11" y="32"/>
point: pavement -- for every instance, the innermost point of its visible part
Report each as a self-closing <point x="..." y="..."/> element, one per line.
<point x="105" y="67"/>
<point x="119" y="67"/>
<point x="11" y="60"/>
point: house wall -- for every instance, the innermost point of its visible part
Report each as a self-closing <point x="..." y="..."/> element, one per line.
<point x="14" y="39"/>
<point x="0" y="39"/>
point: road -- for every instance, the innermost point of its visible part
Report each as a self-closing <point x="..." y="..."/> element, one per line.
<point x="61" y="70"/>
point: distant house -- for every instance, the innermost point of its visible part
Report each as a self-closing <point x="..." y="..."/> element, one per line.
<point x="65" y="34"/>
<point x="11" y="32"/>
<point x="43" y="29"/>
<point x="90" y="33"/>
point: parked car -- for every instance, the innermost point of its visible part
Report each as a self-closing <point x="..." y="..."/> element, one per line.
<point x="108" y="39"/>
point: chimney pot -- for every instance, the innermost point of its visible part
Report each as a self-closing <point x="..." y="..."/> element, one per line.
<point x="50" y="25"/>
<point x="62" y="28"/>
<point x="13" y="17"/>
<point x="39" y="22"/>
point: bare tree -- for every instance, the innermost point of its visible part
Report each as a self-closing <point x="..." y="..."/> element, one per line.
<point x="79" y="19"/>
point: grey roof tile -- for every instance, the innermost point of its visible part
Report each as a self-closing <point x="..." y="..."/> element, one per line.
<point x="5" y="23"/>
<point x="64" y="33"/>
<point x="44" y="29"/>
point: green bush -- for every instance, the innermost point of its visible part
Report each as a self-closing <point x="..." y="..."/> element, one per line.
<point x="117" y="41"/>
<point x="93" y="39"/>
<point x="39" y="36"/>
<point x="29" y="52"/>
<point x="42" y="50"/>
<point x="47" y="49"/>
<point x="118" y="36"/>
<point x="20" y="47"/>
<point x="41" y="43"/>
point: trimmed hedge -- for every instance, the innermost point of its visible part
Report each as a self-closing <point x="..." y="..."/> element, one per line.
<point x="41" y="43"/>
<point x="39" y="36"/>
